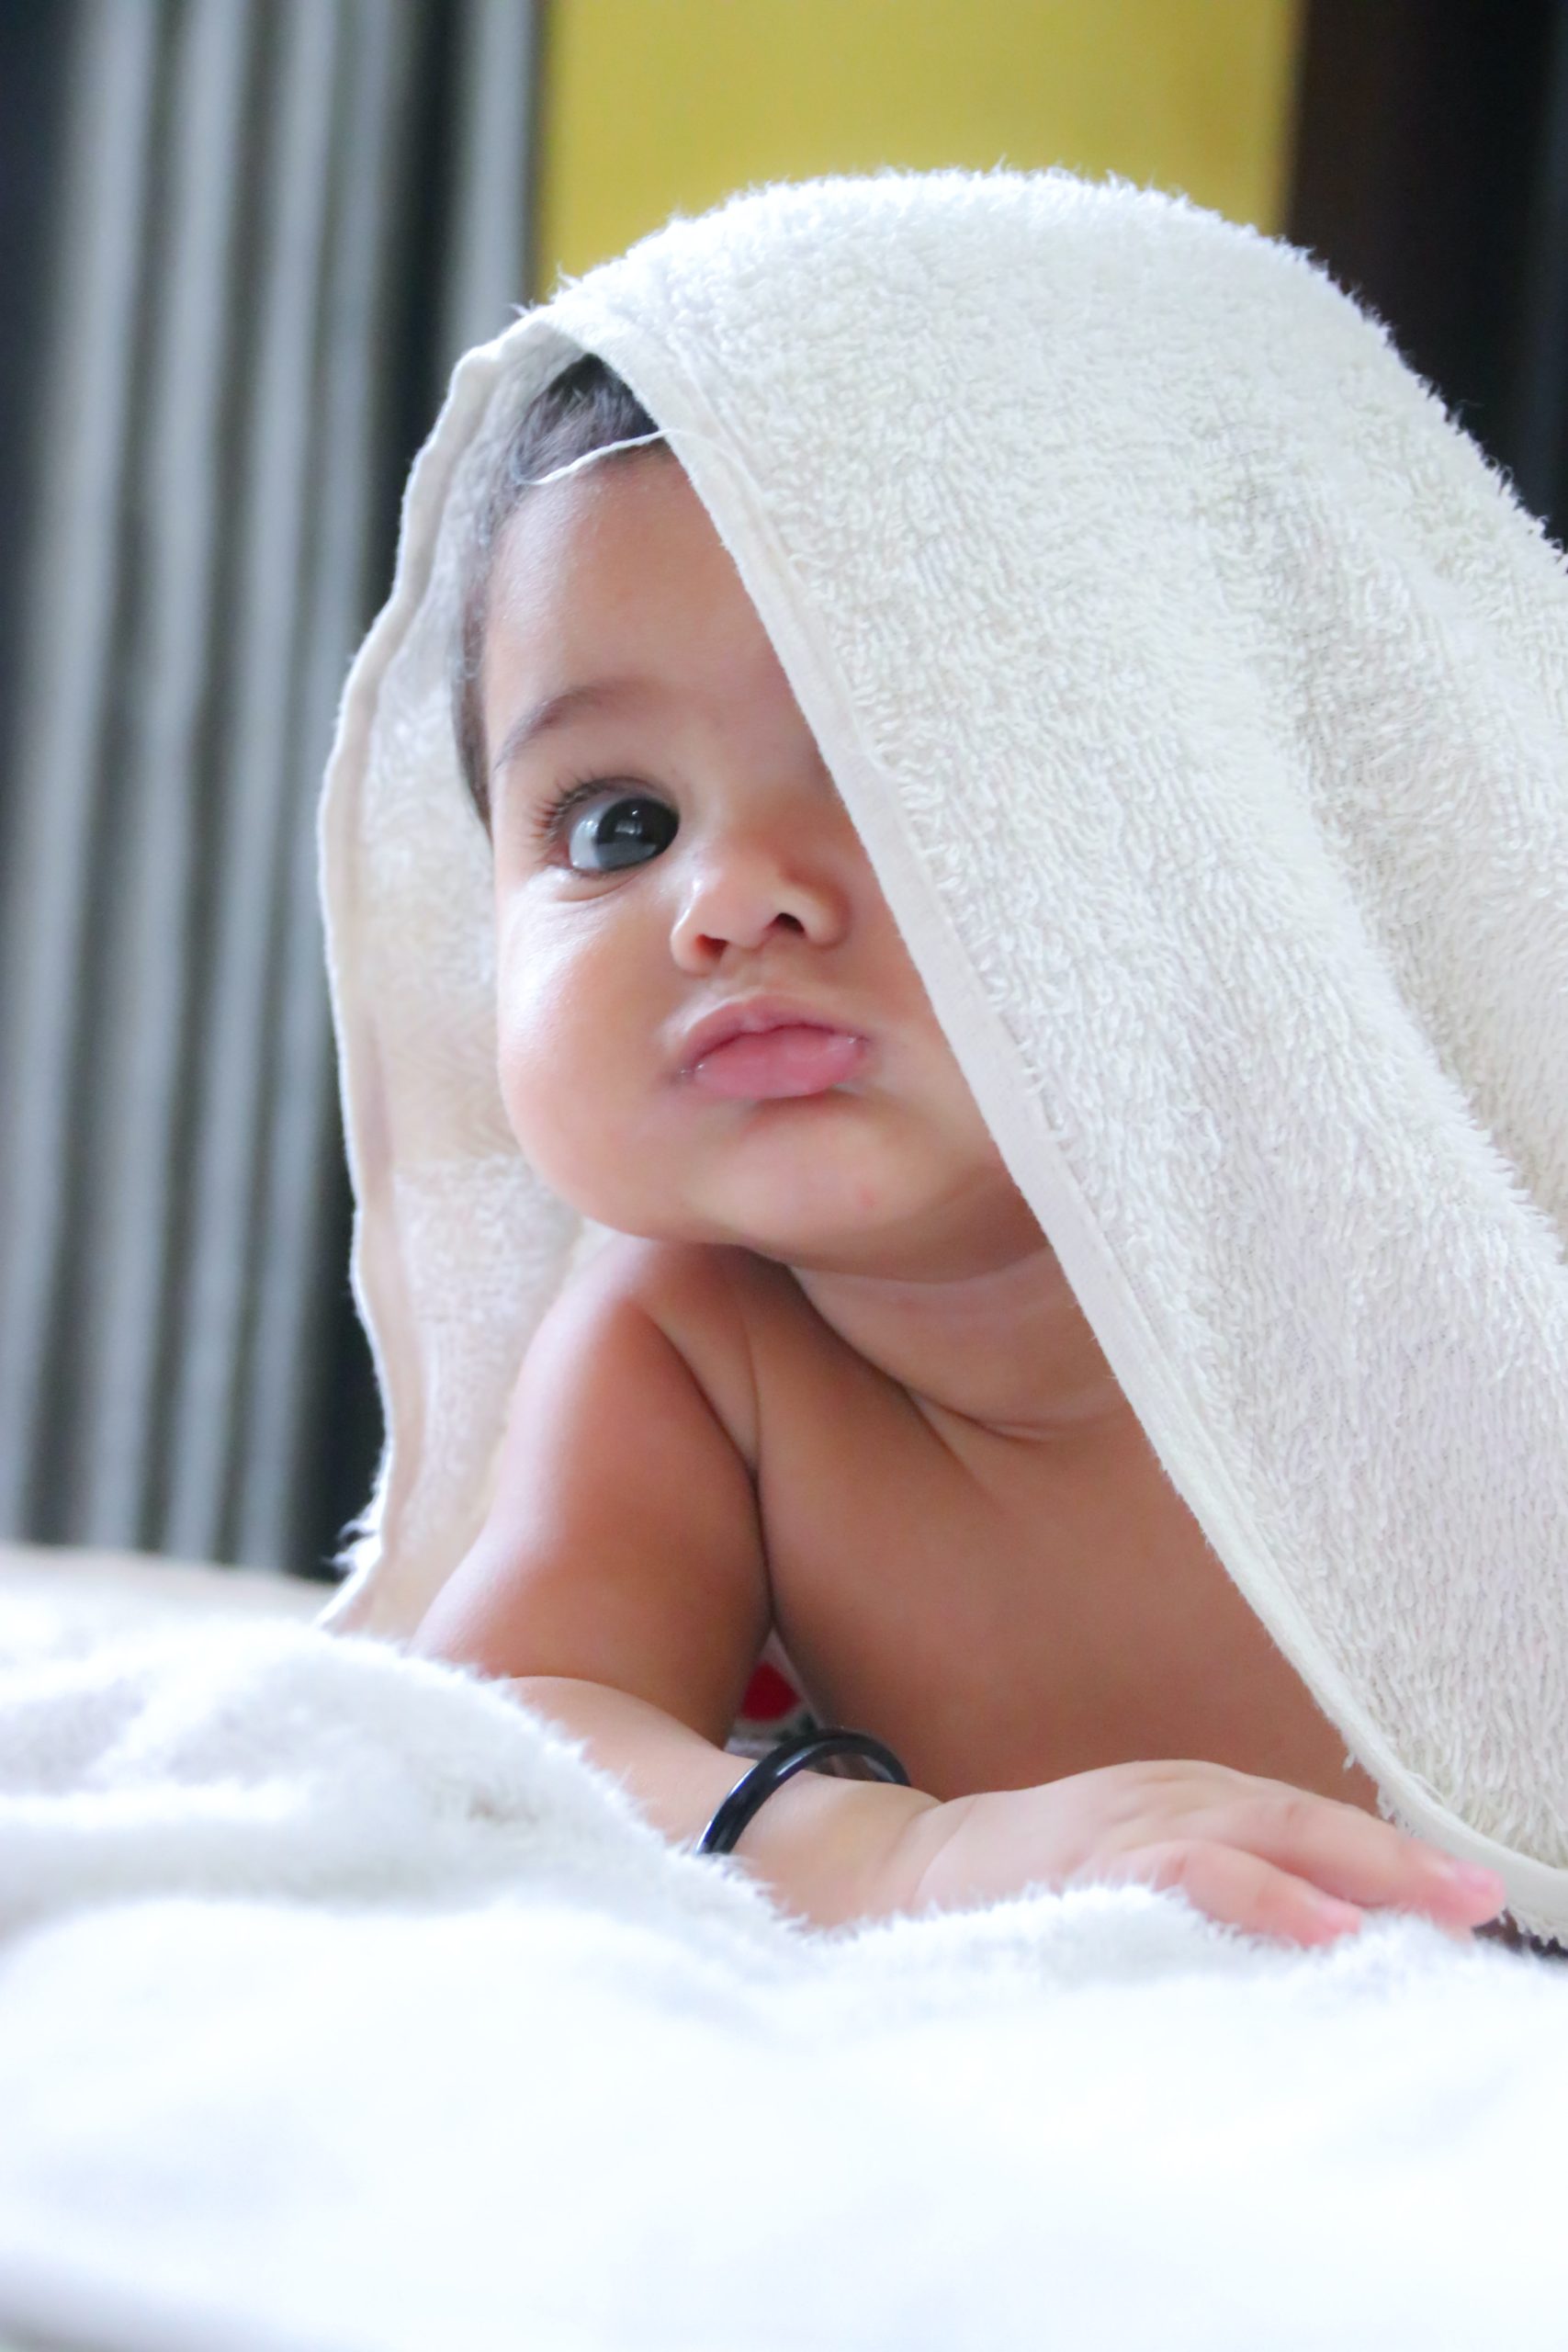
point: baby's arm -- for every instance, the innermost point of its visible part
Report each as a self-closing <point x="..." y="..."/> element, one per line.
<point x="620" y="1586"/>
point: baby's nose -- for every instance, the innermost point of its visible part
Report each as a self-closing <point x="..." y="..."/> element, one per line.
<point x="745" y="896"/>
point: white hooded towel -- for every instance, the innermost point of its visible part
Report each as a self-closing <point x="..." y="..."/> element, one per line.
<point x="1200" y="693"/>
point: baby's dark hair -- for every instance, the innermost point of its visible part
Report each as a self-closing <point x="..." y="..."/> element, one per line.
<point x="586" y="407"/>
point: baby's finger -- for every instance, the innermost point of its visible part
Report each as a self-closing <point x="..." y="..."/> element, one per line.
<point x="1227" y="1883"/>
<point x="1350" y="1855"/>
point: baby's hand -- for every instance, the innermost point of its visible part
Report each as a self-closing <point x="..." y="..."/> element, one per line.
<point x="1260" y="1855"/>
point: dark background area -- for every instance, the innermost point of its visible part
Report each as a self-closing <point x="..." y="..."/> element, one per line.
<point x="1431" y="177"/>
<point x="34" y="41"/>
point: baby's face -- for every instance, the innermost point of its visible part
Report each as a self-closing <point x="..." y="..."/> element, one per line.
<point x="708" y="858"/>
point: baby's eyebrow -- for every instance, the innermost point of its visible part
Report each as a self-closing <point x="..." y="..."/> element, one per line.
<point x="558" y="710"/>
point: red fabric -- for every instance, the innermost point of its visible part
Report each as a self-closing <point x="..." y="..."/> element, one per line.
<point x="768" y="1697"/>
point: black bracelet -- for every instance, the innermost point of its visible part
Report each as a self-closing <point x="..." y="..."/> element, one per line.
<point x="754" y="1790"/>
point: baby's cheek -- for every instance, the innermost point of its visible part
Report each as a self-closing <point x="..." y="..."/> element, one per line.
<point x="534" y="1054"/>
<point x="542" y="1107"/>
<point x="961" y="1119"/>
<point x="558" y="1098"/>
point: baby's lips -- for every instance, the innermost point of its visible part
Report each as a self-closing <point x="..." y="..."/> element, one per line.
<point x="793" y="1058"/>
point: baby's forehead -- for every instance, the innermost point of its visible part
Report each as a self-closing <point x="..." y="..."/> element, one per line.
<point x="624" y="557"/>
<point x="604" y="478"/>
<point x="632" y="521"/>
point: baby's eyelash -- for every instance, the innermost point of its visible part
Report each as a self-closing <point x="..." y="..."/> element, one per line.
<point x="551" y="815"/>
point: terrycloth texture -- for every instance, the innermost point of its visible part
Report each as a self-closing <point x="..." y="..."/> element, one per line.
<point x="345" y="2008"/>
<point x="1200" y="696"/>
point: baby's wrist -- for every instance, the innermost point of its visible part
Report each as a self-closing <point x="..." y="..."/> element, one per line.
<point x="829" y="1847"/>
<point x="913" y="1863"/>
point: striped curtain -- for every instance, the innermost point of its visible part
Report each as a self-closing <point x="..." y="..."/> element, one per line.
<point x="277" y="222"/>
<point x="1532" y="439"/>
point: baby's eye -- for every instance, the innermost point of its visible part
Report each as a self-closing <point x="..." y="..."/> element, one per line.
<point x="618" y="829"/>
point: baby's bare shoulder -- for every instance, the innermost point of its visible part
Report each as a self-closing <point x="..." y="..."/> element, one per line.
<point x="713" y="1304"/>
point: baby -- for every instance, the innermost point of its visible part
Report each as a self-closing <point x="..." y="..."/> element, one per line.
<point x="827" y="1379"/>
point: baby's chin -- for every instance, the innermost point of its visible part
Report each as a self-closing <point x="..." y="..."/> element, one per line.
<point x="937" y="1235"/>
<point x="792" y="1240"/>
<point x="844" y="1187"/>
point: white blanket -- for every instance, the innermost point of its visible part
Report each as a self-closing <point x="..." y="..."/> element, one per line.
<point x="344" y="2007"/>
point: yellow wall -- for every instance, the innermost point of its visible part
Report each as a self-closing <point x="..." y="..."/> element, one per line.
<point x="651" y="107"/>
